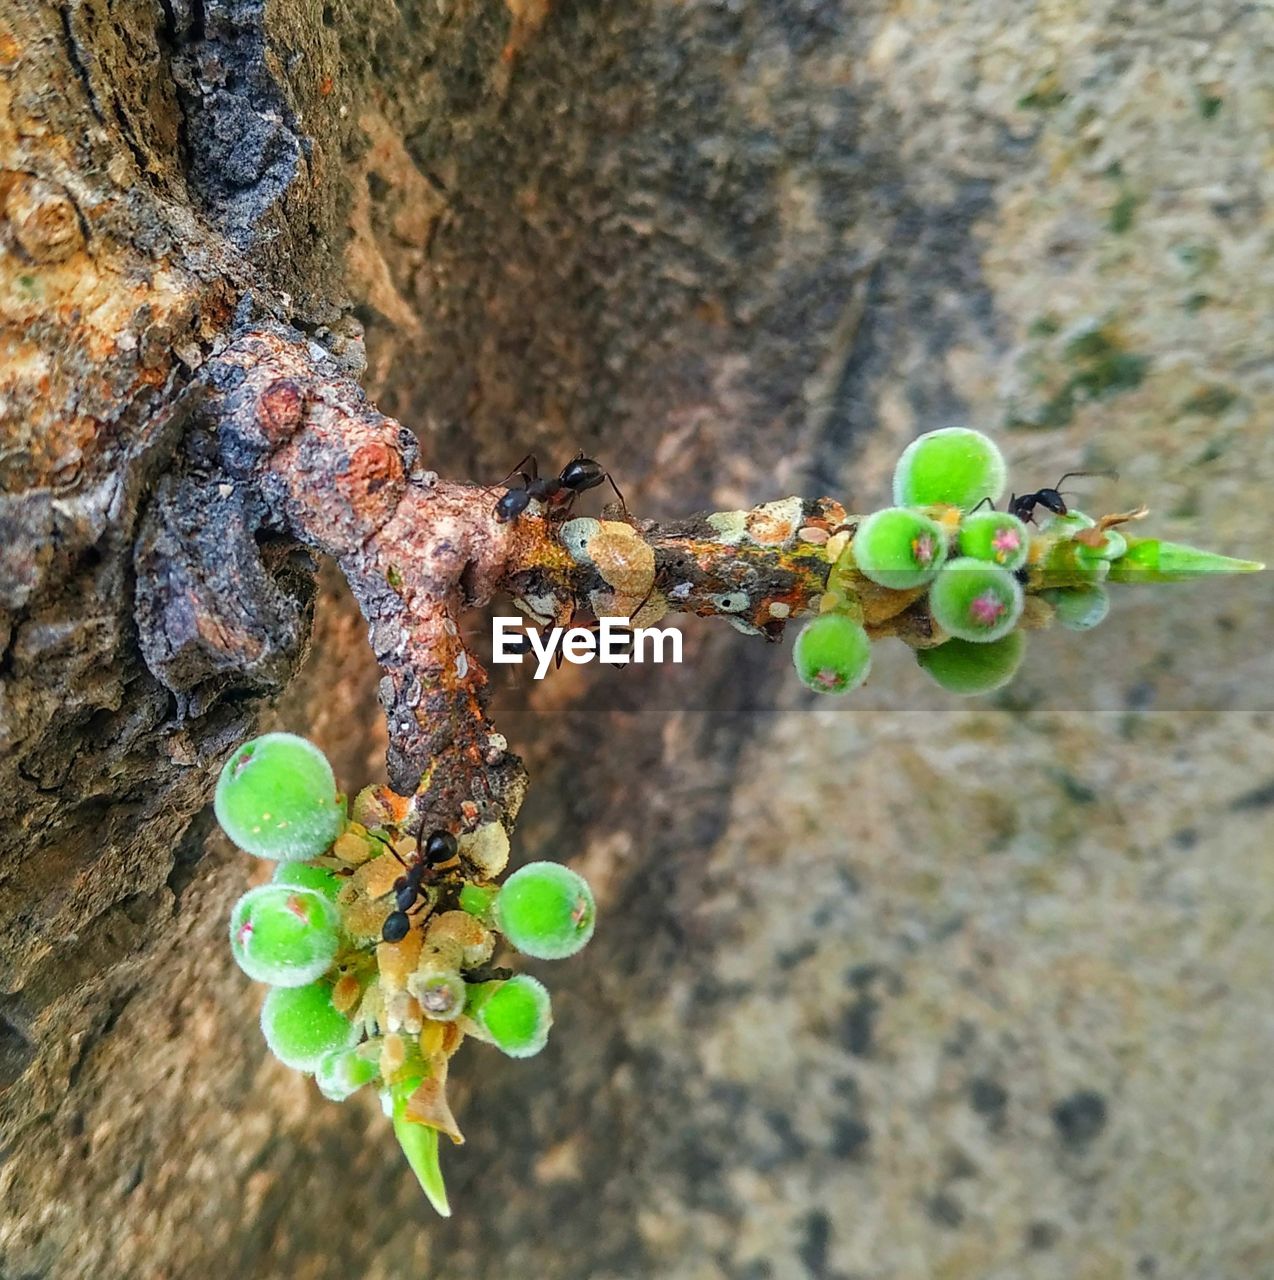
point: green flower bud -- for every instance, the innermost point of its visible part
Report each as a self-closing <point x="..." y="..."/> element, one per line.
<point x="832" y="654"/>
<point x="302" y="875"/>
<point x="276" y="798"/>
<point x="974" y="600"/>
<point x="516" y="1015"/>
<point x="343" y="1073"/>
<point x="1079" y="608"/>
<point x="899" y="548"/>
<point x="545" y="910"/>
<point x="284" y="935"/>
<point x="419" y="1143"/>
<point x="1069" y="563"/>
<point x="996" y="536"/>
<point x="476" y="900"/>
<point x="441" y="994"/>
<point x="953" y="467"/>
<point x="1152" y="560"/>
<point x="301" y="1025"/>
<point x="1063" y="526"/>
<point x="966" y="668"/>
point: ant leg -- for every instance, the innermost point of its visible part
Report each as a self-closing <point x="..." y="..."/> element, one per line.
<point x="645" y="600"/>
<point x="988" y="502"/>
<point x="620" y="496"/>
<point x="518" y="471"/>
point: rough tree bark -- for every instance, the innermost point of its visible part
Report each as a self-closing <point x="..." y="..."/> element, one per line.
<point x="720" y="245"/>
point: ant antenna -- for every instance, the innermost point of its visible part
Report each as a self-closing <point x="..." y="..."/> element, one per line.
<point x="1071" y="475"/>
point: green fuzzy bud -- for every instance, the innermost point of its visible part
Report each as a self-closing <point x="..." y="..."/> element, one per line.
<point x="302" y="1026"/>
<point x="899" y="548"/>
<point x="1064" y="526"/>
<point x="420" y="1145"/>
<point x="476" y="900"/>
<point x="341" y="1074"/>
<point x="996" y="536"/>
<point x="304" y="876"/>
<point x="545" y="910"/>
<point x="1073" y="531"/>
<point x="832" y="654"/>
<point x="516" y="1015"/>
<point x="440" y="994"/>
<point x="1070" y="563"/>
<point x="973" y="600"/>
<point x="1079" y="608"/>
<point x="966" y="668"/>
<point x="953" y="467"/>
<point x="1151" y="560"/>
<point x="276" y="798"/>
<point x="284" y="935"/>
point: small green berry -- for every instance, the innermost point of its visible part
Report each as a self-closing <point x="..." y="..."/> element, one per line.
<point x="276" y="798"/>
<point x="1079" y="608"/>
<point x="973" y="600"/>
<point x="899" y="548"/>
<point x="302" y="1026"/>
<point x="284" y="935"/>
<point x="545" y="910"/>
<point x="304" y="876"/>
<point x="962" y="667"/>
<point x="516" y="1015"/>
<point x="344" y="1072"/>
<point x="953" y="467"/>
<point x="996" y="536"/>
<point x="832" y="654"/>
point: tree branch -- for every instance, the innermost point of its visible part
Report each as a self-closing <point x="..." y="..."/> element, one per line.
<point x="417" y="551"/>
<point x="298" y="445"/>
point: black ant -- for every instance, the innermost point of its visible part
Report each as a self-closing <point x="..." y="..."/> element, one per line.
<point x="579" y="475"/>
<point x="439" y="847"/>
<point x="1023" y="506"/>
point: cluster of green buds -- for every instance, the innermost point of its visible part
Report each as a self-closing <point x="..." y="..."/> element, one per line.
<point x="351" y="1008"/>
<point x="961" y="582"/>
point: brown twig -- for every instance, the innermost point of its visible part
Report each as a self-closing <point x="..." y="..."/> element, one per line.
<point x="416" y="550"/>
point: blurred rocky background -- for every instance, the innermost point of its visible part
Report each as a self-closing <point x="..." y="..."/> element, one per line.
<point x="895" y="989"/>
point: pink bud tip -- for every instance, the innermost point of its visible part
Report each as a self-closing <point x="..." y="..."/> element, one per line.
<point x="986" y="609"/>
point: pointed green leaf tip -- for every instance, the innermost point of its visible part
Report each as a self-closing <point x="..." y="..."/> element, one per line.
<point x="420" y="1145"/>
<point x="1151" y="560"/>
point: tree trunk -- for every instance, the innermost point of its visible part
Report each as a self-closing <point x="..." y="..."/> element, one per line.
<point x="731" y="249"/>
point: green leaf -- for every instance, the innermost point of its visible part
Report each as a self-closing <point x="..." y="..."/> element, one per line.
<point x="1152" y="560"/>
<point x="420" y="1145"/>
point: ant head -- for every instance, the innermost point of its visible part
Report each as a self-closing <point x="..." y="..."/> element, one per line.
<point x="511" y="505"/>
<point x="438" y="846"/>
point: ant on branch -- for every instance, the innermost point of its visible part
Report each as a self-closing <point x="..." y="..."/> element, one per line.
<point x="432" y="852"/>
<point x="1023" y="506"/>
<point x="558" y="492"/>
